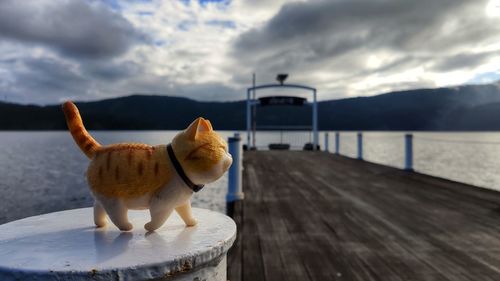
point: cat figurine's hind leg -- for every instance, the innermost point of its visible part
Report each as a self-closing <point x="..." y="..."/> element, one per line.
<point x="117" y="212"/>
<point x="186" y="213"/>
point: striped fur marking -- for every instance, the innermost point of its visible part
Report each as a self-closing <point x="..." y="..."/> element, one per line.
<point x="81" y="138"/>
<point x="70" y="112"/>
<point x="88" y="146"/>
<point x="130" y="156"/>
<point x="117" y="173"/>
<point x="140" y="168"/>
<point x="108" y="160"/>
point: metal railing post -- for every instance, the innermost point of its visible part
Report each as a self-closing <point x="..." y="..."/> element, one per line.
<point x="249" y="118"/>
<point x="326" y="141"/>
<point x="337" y="143"/>
<point x="234" y="190"/>
<point x="409" y="152"/>
<point x="360" y="146"/>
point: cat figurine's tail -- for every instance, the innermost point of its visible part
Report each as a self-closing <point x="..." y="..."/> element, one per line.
<point x="75" y="125"/>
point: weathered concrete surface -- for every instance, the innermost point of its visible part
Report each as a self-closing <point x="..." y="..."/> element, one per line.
<point x="66" y="245"/>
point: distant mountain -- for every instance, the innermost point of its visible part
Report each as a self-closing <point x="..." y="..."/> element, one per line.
<point x="136" y="112"/>
<point x="454" y="108"/>
<point x="471" y="107"/>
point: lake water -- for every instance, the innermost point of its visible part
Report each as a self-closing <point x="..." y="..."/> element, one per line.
<point x="43" y="172"/>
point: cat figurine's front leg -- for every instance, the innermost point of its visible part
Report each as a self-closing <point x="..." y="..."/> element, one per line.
<point x="186" y="214"/>
<point x="163" y="202"/>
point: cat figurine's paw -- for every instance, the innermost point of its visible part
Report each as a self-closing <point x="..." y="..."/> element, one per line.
<point x="125" y="227"/>
<point x="151" y="226"/>
<point x="191" y="222"/>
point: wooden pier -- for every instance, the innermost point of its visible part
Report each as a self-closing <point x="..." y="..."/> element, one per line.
<point x="318" y="216"/>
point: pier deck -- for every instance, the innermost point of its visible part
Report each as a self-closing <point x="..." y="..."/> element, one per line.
<point x="318" y="216"/>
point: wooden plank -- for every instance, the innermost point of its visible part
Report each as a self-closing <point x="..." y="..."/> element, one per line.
<point x="234" y="260"/>
<point x="318" y="216"/>
<point x="252" y="264"/>
<point x="283" y="260"/>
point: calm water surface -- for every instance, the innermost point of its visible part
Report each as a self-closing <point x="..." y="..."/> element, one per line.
<point x="471" y="157"/>
<point x="43" y="172"/>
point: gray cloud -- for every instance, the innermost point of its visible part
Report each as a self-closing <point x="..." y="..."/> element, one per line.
<point x="42" y="79"/>
<point x="337" y="37"/>
<point x="464" y="60"/>
<point x="334" y="27"/>
<point x="164" y="85"/>
<point x="50" y="75"/>
<point x="209" y="92"/>
<point x="110" y="71"/>
<point x="76" y="28"/>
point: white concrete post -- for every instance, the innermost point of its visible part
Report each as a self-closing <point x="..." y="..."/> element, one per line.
<point x="235" y="190"/>
<point x="315" y="121"/>
<point x="409" y="152"/>
<point x="326" y="141"/>
<point x="360" y="146"/>
<point x="337" y="143"/>
<point x="67" y="246"/>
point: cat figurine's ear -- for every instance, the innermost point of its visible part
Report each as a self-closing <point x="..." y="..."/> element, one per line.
<point x="198" y="125"/>
<point x="207" y="126"/>
<point x="193" y="129"/>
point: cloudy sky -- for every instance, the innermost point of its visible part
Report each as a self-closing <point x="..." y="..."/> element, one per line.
<point x="53" y="50"/>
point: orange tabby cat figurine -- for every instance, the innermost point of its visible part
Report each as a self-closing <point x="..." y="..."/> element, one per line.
<point x="139" y="176"/>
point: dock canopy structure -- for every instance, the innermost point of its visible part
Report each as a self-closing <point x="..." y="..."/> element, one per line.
<point x="280" y="100"/>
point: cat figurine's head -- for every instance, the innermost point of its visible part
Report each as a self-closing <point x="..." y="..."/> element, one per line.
<point x="201" y="152"/>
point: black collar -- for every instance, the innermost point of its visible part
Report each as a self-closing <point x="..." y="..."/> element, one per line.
<point x="180" y="171"/>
